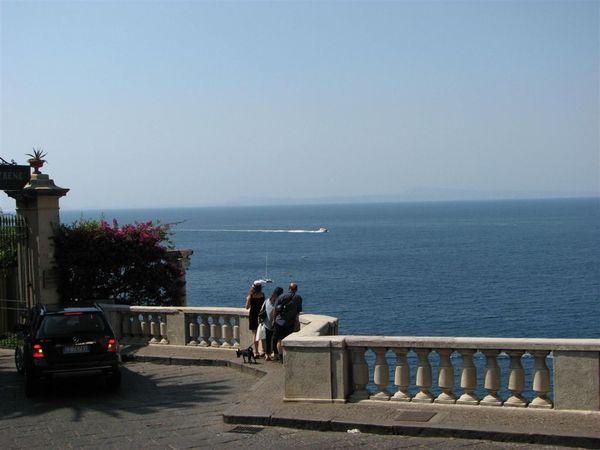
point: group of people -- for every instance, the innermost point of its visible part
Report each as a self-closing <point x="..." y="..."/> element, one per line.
<point x="278" y="314"/>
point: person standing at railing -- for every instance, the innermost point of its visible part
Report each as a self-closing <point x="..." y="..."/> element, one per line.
<point x="287" y="308"/>
<point x="254" y="302"/>
<point x="268" y="344"/>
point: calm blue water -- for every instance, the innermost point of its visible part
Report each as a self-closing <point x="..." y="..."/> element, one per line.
<point x="503" y="268"/>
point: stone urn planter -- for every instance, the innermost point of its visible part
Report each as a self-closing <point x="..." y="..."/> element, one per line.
<point x="36" y="160"/>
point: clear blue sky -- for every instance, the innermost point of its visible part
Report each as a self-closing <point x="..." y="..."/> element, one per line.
<point x="143" y="104"/>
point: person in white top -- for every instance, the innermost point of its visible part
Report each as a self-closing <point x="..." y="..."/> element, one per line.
<point x="269" y="308"/>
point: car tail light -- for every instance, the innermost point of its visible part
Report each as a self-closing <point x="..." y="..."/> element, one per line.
<point x="38" y="351"/>
<point x="112" y="346"/>
<point x="72" y="314"/>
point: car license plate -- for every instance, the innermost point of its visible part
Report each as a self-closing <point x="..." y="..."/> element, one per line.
<point x="75" y="349"/>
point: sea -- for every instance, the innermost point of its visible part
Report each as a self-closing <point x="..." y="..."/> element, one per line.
<point x="512" y="268"/>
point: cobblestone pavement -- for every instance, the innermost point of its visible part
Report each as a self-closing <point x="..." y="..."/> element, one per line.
<point x="165" y="407"/>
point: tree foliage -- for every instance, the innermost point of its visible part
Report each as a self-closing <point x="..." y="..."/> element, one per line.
<point x="128" y="263"/>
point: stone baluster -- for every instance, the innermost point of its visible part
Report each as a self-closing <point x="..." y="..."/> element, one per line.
<point x="423" y="378"/>
<point x="468" y="379"/>
<point x="492" y="379"/>
<point x="125" y="327"/>
<point x="193" y="329"/>
<point x="226" y="332"/>
<point x="163" y="330"/>
<point x="236" y="332"/>
<point x="446" y="378"/>
<point x="516" y="380"/>
<point x="360" y="374"/>
<point x="135" y="329"/>
<point x="144" y="329"/>
<point x="154" y="329"/>
<point x="541" y="381"/>
<point x="215" y="332"/>
<point x="381" y="374"/>
<point x="204" y="331"/>
<point x="401" y="376"/>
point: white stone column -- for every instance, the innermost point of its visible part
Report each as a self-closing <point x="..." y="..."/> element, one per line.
<point x="144" y="329"/>
<point x="541" y="381"/>
<point x="492" y="379"/>
<point x="204" y="331"/>
<point x="154" y="329"/>
<point x="446" y="377"/>
<point x="193" y="329"/>
<point x="401" y="376"/>
<point x="163" y="331"/>
<point x="381" y="374"/>
<point x="423" y="378"/>
<point x="468" y="379"/>
<point x="236" y="332"/>
<point x="516" y="380"/>
<point x="215" y="332"/>
<point x="226" y="332"/>
<point x="360" y="374"/>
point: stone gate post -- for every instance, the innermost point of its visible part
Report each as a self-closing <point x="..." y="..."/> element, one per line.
<point x="38" y="203"/>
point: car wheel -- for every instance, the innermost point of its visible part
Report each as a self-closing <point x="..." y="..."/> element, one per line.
<point x="19" y="360"/>
<point x="32" y="387"/>
<point x="113" y="382"/>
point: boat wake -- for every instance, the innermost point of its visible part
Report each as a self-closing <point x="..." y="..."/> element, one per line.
<point x="204" y="230"/>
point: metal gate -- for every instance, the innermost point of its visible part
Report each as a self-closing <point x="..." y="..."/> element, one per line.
<point x="15" y="273"/>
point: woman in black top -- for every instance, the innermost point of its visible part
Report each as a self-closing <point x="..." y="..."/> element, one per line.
<point x="254" y="302"/>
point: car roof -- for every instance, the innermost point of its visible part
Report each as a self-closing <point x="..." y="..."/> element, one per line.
<point x="59" y="309"/>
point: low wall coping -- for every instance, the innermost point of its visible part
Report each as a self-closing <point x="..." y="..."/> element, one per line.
<point x="473" y="343"/>
<point x="178" y="309"/>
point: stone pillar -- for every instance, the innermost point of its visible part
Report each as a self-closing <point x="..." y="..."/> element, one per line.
<point x="423" y="377"/>
<point x="446" y="377"/>
<point x="492" y="379"/>
<point x="38" y="203"/>
<point x="401" y="376"/>
<point x="541" y="381"/>
<point x="577" y="380"/>
<point x="468" y="379"/>
<point x="381" y="374"/>
<point x="516" y="380"/>
<point x="360" y="374"/>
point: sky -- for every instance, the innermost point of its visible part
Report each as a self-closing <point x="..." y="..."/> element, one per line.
<point x="168" y="104"/>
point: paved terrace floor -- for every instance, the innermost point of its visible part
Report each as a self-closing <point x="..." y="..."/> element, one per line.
<point x="179" y="397"/>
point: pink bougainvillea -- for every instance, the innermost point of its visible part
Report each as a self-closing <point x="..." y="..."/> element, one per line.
<point x="98" y="260"/>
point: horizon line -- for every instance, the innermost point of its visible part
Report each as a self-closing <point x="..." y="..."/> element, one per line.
<point x="302" y="203"/>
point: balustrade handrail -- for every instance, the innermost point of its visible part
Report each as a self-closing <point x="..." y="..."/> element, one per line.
<point x="177" y="309"/>
<point x="479" y="343"/>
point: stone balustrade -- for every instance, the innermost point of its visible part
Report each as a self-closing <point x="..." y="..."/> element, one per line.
<point x="225" y="328"/>
<point x="492" y="372"/>
<point x="321" y="366"/>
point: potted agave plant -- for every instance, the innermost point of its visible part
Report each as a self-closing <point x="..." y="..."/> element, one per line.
<point x="36" y="159"/>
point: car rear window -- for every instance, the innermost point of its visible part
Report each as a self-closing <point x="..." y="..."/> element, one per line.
<point x="69" y="324"/>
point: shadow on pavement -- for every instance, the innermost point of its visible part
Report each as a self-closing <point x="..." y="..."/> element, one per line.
<point x="142" y="392"/>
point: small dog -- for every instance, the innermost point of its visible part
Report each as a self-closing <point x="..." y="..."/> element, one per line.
<point x="246" y="354"/>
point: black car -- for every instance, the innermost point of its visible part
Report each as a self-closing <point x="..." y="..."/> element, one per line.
<point x="67" y="342"/>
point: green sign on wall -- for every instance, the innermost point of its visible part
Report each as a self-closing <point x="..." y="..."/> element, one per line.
<point x="13" y="177"/>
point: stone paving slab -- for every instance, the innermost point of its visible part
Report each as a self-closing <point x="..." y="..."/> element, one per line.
<point x="500" y="424"/>
<point x="182" y="406"/>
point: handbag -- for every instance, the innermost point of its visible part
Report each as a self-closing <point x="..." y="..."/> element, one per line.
<point x="261" y="332"/>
